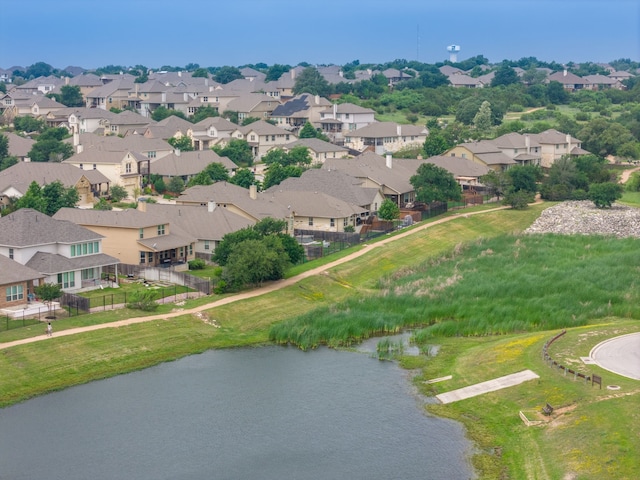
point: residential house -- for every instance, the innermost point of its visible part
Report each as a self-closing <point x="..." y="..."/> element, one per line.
<point x="602" y="82"/>
<point x="319" y="150"/>
<point x="386" y="137"/>
<point x="483" y="152"/>
<point x="62" y="252"/>
<point x="17" y="282"/>
<point x="253" y="105"/>
<point x="15" y="180"/>
<point x="555" y="144"/>
<point x="248" y="203"/>
<point x="38" y="106"/>
<point x="39" y="85"/>
<point x="394" y="76"/>
<point x="362" y="201"/>
<point x="466" y="172"/>
<point x="211" y="131"/>
<point x="113" y="94"/>
<point x="119" y="167"/>
<point x="522" y="148"/>
<point x="149" y="147"/>
<point x="170" y="127"/>
<point x="263" y="136"/>
<point x="207" y="224"/>
<point x="185" y="165"/>
<point x="124" y="121"/>
<point x="294" y="113"/>
<point x="81" y="119"/>
<point x="465" y="81"/>
<point x="135" y="237"/>
<point x="341" y="119"/>
<point x="621" y="76"/>
<point x="19" y="147"/>
<point x="569" y="81"/>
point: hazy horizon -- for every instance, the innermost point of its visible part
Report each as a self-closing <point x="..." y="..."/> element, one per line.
<point x="157" y="33"/>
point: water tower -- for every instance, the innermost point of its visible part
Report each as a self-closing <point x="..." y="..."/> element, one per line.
<point x="453" y="53"/>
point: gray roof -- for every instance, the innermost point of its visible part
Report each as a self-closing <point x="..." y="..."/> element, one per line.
<point x="314" y="204"/>
<point x="458" y="167"/>
<point x="227" y="193"/>
<point x="199" y="221"/>
<point x="515" y="140"/>
<point x="52" y="263"/>
<point x="349" y="108"/>
<point x="248" y="102"/>
<point x="331" y="182"/>
<point x="388" y="129"/>
<point x="188" y="163"/>
<point x="19" y="146"/>
<point x="263" y="128"/>
<point x="113" y="143"/>
<point x="27" y="227"/>
<point x="316" y="145"/>
<point x="553" y="136"/>
<point x="129" y="218"/>
<point x="20" y="175"/>
<point x="12" y="272"/>
<point x="299" y="106"/>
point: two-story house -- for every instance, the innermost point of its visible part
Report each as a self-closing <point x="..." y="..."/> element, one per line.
<point x="485" y="153"/>
<point x="62" y="252"/>
<point x="135" y="237"/>
<point x="303" y="108"/>
<point x="263" y="136"/>
<point x="343" y="118"/>
<point x="386" y="137"/>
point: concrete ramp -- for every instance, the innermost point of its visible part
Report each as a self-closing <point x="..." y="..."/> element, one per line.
<point x="488" y="386"/>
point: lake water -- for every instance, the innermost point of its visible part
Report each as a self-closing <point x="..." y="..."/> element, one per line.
<point x="263" y="413"/>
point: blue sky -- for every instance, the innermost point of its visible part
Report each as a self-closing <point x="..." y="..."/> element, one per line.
<point x="90" y="33"/>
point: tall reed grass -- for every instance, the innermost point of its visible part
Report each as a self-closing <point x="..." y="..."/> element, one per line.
<point x="511" y="283"/>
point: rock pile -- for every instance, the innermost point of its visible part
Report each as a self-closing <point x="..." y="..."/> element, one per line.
<point x="584" y="218"/>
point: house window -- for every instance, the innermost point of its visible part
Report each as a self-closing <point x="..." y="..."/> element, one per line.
<point x="161" y="229"/>
<point x="11" y="253"/>
<point x="345" y="222"/>
<point x="287" y="137"/>
<point x="67" y="279"/>
<point x="143" y="256"/>
<point x="191" y="249"/>
<point x="14" y="292"/>
<point x="311" y="221"/>
<point x="141" y="233"/>
<point x="80" y="166"/>
<point x="273" y="138"/>
<point x="95" y="167"/>
<point x="151" y="154"/>
<point x="252" y="138"/>
<point x="127" y="167"/>
<point x="205" y="99"/>
<point x="333" y="222"/>
<point x="113" y="128"/>
<point x="89" y="273"/>
<point x="346" y="116"/>
<point x="206" y="244"/>
<point x="464" y="155"/>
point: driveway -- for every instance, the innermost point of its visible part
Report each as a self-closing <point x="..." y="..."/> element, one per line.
<point x="619" y="355"/>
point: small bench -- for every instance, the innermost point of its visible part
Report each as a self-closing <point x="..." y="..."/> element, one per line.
<point x="547" y="409"/>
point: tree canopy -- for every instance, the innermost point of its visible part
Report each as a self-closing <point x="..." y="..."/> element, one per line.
<point x="238" y="151"/>
<point x="435" y="184"/>
<point x="48" y="199"/>
<point x="311" y="81"/>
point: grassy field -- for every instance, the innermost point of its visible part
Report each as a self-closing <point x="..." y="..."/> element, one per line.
<point x="584" y="440"/>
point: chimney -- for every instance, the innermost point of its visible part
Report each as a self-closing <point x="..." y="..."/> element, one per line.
<point x="179" y="74"/>
<point x="177" y="152"/>
<point x="76" y="139"/>
<point x="142" y="206"/>
<point x="79" y="149"/>
<point x="335" y="111"/>
<point x="253" y="192"/>
<point x="340" y="73"/>
<point x="293" y="73"/>
<point x="399" y="130"/>
<point x="568" y="143"/>
<point x="317" y="99"/>
<point x="211" y="206"/>
<point x="527" y="142"/>
<point x="564" y="72"/>
<point x="389" y="160"/>
<point x="66" y="80"/>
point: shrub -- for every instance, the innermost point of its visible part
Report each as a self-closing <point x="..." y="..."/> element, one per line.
<point x="196" y="264"/>
<point x="518" y="200"/>
<point x="144" y="300"/>
<point x="583" y="117"/>
<point x="349" y="229"/>
<point x="220" y="288"/>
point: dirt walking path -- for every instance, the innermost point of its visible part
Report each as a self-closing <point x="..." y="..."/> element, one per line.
<point x="249" y="294"/>
<point x="626" y="174"/>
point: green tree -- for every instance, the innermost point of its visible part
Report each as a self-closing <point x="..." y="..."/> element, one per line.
<point x="505" y="75"/>
<point x="603" y="195"/>
<point x="253" y="262"/>
<point x="7" y="162"/>
<point x="28" y="124"/>
<point x="603" y="137"/>
<point x="32" y="199"/>
<point x="182" y="143"/>
<point x="482" y="119"/>
<point x="275" y="71"/>
<point x="311" y="81"/>
<point x="48" y="292"/>
<point x="518" y="200"/>
<point x="307" y="131"/>
<point x="524" y="177"/>
<point x="159" y="186"/>
<point x="70" y="96"/>
<point x="556" y="93"/>
<point x="227" y="74"/>
<point x="201" y="178"/>
<point x="57" y="196"/>
<point x="102" y="204"/>
<point x="243" y="178"/>
<point x="435" y="184"/>
<point x="176" y="185"/>
<point x="38" y="69"/>
<point x="200" y="73"/>
<point x="232" y="115"/>
<point x="495" y="182"/>
<point x="204" y="112"/>
<point x="238" y="151"/>
<point x="228" y="242"/>
<point x="50" y="147"/>
<point x="217" y="172"/>
<point x="161" y="113"/>
<point x="118" y="193"/>
<point x="388" y="210"/>
<point x="4" y="146"/>
<point x="276" y="173"/>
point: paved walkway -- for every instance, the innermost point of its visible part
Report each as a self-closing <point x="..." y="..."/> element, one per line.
<point x="488" y="386"/>
<point x="252" y="293"/>
<point x="619" y="355"/>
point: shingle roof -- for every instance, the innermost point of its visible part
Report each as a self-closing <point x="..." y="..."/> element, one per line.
<point x="298" y="105"/>
<point x="13" y="272"/>
<point x="315" y="204"/>
<point x="27" y="227"/>
<point x="316" y="145"/>
<point x="20" y="175"/>
<point x="52" y="263"/>
<point x="129" y="218"/>
<point x="553" y="136"/>
<point x="515" y="140"/>
<point x="188" y="163"/>
<point x="388" y="129"/>
<point x="19" y="146"/>
<point x="199" y="221"/>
